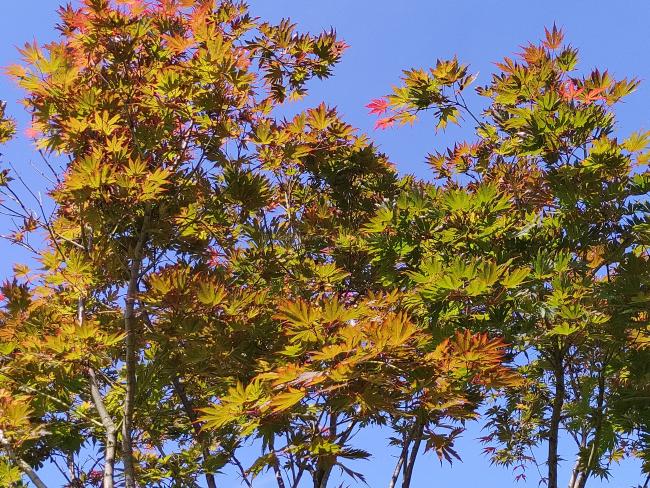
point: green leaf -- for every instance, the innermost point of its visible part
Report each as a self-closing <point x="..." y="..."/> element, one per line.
<point x="286" y="400"/>
<point x="515" y="277"/>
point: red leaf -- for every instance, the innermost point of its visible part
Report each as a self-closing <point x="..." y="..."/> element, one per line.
<point x="553" y="37"/>
<point x="378" y="106"/>
<point x="594" y="95"/>
<point x="242" y="61"/>
<point x="215" y="258"/>
<point x="569" y="91"/>
<point x="75" y="18"/>
<point x="31" y="133"/>
<point x="385" y="123"/>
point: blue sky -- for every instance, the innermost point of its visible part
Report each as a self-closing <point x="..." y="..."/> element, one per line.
<point x="387" y="37"/>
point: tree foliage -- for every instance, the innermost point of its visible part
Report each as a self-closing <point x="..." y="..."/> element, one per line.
<point x="214" y="275"/>
<point x="548" y="203"/>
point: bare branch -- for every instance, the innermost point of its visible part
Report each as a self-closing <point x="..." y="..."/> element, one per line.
<point x="24" y="467"/>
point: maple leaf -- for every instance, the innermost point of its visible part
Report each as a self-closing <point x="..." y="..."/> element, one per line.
<point x="177" y="44"/>
<point x="215" y="258"/>
<point x="532" y="54"/>
<point x="378" y="106"/>
<point x="242" y="59"/>
<point x="385" y="123"/>
<point x="135" y="6"/>
<point x="167" y="8"/>
<point x="339" y="47"/>
<point x="553" y="37"/>
<point x="286" y="400"/>
<point x="508" y="65"/>
<point x="31" y="132"/>
<point x="16" y="71"/>
<point x="594" y="96"/>
<point x="569" y="91"/>
<point x="75" y="18"/>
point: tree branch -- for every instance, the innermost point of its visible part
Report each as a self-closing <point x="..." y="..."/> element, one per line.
<point x="109" y="427"/>
<point x="188" y="408"/>
<point x="131" y="353"/>
<point x="417" y="439"/>
<point x="556" y="417"/>
<point x="24" y="467"/>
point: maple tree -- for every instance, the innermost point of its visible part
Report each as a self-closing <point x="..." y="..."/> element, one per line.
<point x="213" y="273"/>
<point x="536" y="230"/>
<point x="161" y="112"/>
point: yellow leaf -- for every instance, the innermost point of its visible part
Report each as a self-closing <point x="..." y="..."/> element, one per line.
<point x="286" y="400"/>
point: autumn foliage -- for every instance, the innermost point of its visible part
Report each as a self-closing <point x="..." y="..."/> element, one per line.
<point x="213" y="276"/>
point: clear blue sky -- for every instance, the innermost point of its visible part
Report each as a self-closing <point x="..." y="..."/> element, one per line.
<point x="386" y="37"/>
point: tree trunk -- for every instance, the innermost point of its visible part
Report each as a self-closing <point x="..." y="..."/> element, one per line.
<point x="106" y="419"/>
<point x="111" y="431"/>
<point x="188" y="407"/>
<point x="399" y="464"/>
<point x="276" y="465"/>
<point x="556" y="417"/>
<point x="131" y="365"/>
<point x="417" y="439"/>
<point x="131" y="360"/>
<point x="582" y="475"/>
<point x="574" y="473"/>
<point x="72" y="475"/>
<point x="322" y="474"/>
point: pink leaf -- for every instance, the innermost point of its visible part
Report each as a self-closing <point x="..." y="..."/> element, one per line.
<point x="385" y="123"/>
<point x="378" y="106"/>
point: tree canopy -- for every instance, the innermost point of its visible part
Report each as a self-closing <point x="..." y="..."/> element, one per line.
<point x="213" y="274"/>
